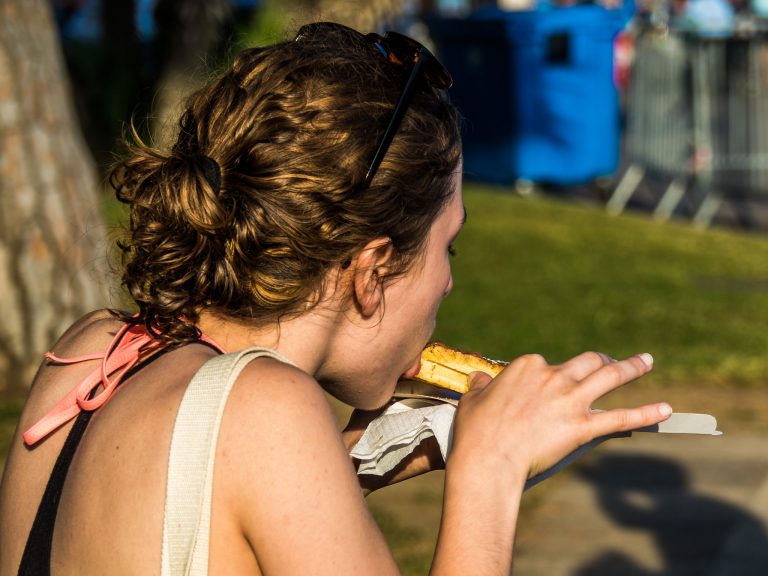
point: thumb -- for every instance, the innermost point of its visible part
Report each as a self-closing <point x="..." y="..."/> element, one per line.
<point x="478" y="380"/>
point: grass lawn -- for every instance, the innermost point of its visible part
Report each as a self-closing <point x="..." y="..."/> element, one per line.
<point x="536" y="275"/>
<point x="557" y="279"/>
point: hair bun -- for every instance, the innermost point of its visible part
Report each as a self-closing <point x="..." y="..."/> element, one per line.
<point x="211" y="171"/>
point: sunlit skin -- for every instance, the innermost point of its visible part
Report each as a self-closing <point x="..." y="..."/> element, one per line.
<point x="286" y="498"/>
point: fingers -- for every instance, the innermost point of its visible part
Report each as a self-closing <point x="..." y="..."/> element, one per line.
<point x="536" y="414"/>
<point x="581" y="366"/>
<point x="627" y="419"/>
<point x="478" y="381"/>
<point x="595" y="373"/>
<point x="615" y="374"/>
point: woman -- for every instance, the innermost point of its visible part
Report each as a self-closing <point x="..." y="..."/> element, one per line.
<point x="308" y="208"/>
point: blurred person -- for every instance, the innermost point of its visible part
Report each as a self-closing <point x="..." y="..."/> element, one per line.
<point x="305" y="219"/>
<point x="712" y="18"/>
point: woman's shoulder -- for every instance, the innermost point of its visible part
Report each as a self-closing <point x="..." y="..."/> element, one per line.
<point x="90" y="333"/>
<point x="279" y="448"/>
<point x="278" y="389"/>
<point x="275" y="404"/>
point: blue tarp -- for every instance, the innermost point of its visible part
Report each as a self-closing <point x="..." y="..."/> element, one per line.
<point x="537" y="90"/>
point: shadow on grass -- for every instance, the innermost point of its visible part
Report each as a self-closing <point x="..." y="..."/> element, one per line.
<point x="693" y="533"/>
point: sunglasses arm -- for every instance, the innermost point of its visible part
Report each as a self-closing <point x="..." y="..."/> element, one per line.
<point x="397" y="117"/>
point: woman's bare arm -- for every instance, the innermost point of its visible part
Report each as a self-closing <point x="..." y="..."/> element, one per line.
<point x="301" y="506"/>
<point x="290" y="479"/>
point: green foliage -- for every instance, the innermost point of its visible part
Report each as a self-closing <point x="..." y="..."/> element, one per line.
<point x="412" y="547"/>
<point x="268" y="26"/>
<point x="558" y="279"/>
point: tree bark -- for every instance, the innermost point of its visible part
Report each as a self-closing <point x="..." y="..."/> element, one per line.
<point x="363" y="17"/>
<point x="189" y="36"/>
<point x="53" y="253"/>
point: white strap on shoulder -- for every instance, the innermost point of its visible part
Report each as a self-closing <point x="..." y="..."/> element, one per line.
<point x="187" y="516"/>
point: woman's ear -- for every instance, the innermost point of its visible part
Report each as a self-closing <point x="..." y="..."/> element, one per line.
<point x="368" y="270"/>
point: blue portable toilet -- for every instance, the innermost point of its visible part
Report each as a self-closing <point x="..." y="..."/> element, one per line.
<point x="537" y="91"/>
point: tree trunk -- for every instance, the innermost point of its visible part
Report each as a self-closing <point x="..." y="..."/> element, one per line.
<point x="363" y="17"/>
<point x="189" y="37"/>
<point x="53" y="254"/>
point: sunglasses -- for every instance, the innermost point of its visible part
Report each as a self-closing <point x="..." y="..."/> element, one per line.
<point x="401" y="51"/>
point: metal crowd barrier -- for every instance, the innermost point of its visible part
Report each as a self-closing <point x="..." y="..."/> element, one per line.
<point x="697" y="113"/>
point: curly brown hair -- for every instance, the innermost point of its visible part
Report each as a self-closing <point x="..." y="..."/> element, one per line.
<point x="291" y="128"/>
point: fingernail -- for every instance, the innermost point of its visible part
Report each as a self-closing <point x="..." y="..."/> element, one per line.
<point x="665" y="410"/>
<point x="647" y="359"/>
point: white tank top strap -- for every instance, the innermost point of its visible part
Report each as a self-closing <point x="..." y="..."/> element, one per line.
<point x="187" y="516"/>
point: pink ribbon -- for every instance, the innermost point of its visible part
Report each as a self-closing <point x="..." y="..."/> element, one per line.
<point x="121" y="355"/>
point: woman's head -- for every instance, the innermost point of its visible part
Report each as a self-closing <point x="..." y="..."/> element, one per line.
<point x="264" y="191"/>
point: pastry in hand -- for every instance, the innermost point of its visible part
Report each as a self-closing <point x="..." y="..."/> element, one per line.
<point x="447" y="368"/>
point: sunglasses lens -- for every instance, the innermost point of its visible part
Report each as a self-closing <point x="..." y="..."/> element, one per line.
<point x="403" y="48"/>
<point x="437" y="75"/>
<point x="408" y="51"/>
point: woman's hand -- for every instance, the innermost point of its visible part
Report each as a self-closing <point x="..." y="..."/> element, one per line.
<point x="513" y="427"/>
<point x="532" y="414"/>
<point x="425" y="458"/>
